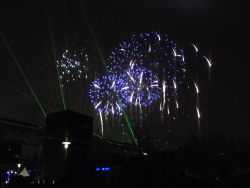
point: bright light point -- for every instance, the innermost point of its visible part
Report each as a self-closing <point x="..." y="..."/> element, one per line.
<point x="66" y="144"/>
<point x="19" y="165"/>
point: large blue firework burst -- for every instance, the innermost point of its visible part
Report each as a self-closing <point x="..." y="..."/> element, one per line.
<point x="147" y="68"/>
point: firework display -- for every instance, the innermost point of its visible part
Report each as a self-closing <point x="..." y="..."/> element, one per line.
<point x="156" y="54"/>
<point x="148" y="89"/>
<point x="74" y="61"/>
<point x="76" y="68"/>
<point x="67" y="65"/>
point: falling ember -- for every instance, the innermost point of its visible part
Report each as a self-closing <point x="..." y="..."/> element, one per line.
<point x="209" y="63"/>
<point x="159" y="37"/>
<point x="175" y="54"/>
<point x="196" y="87"/>
<point x="174" y="84"/>
<point x="96" y="106"/>
<point x="198" y="112"/>
<point x="101" y="122"/>
<point x="131" y="97"/>
<point x="118" y="106"/>
<point x="131" y="77"/>
<point x="113" y="85"/>
<point x="97" y="86"/>
<point x="149" y="48"/>
<point x="196" y="49"/>
<point x="177" y="105"/>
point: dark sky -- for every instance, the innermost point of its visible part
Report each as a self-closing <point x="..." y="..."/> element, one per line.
<point x="218" y="27"/>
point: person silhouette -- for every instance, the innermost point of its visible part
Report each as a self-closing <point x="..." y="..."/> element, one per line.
<point x="77" y="169"/>
<point x="139" y="171"/>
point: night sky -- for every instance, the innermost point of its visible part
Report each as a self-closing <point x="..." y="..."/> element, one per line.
<point x="218" y="28"/>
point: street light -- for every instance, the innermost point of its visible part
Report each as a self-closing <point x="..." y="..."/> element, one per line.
<point x="66" y="144"/>
<point x="18" y="167"/>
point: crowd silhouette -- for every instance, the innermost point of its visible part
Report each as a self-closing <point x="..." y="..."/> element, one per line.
<point x="135" y="172"/>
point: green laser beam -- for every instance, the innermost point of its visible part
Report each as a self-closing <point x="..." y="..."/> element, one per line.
<point x="57" y="71"/>
<point x="101" y="137"/>
<point x="128" y="123"/>
<point x="26" y="80"/>
<point x="96" y="135"/>
<point x="102" y="58"/>
<point x="108" y="141"/>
